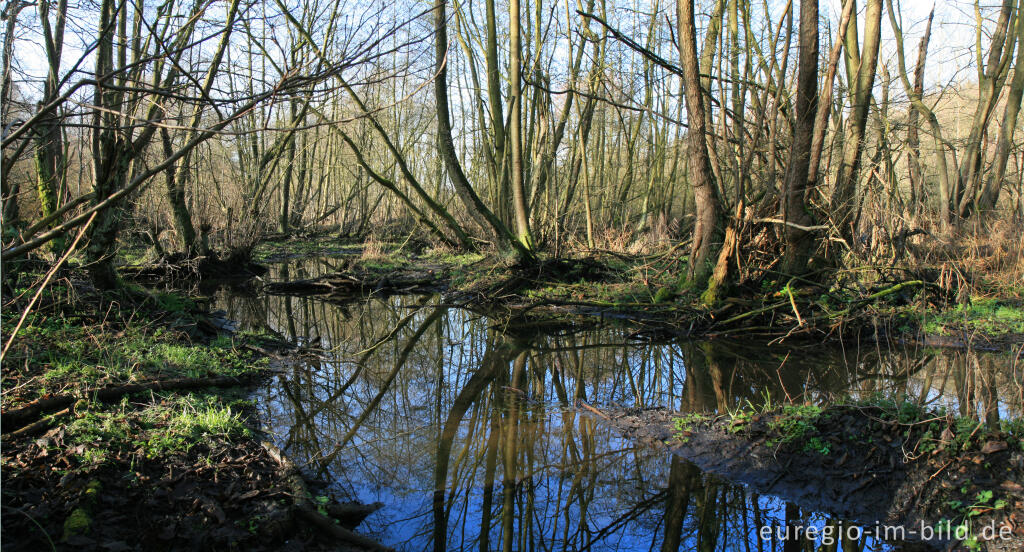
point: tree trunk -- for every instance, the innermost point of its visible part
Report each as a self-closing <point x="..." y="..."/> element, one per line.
<point x="289" y="169"/>
<point x="843" y="204"/>
<point x="476" y="208"/>
<point x="175" y="182"/>
<point x="497" y="115"/>
<point x="516" y="130"/>
<point x="945" y="188"/>
<point x="799" y="242"/>
<point x="914" y="170"/>
<point x="8" y="188"/>
<point x="990" y="194"/>
<point x="706" y="226"/>
<point x="825" y="101"/>
<point x="49" y="149"/>
<point x="990" y="84"/>
<point x="109" y="167"/>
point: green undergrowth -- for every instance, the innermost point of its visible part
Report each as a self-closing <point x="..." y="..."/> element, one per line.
<point x="452" y="258"/>
<point x="96" y="342"/>
<point x="63" y="354"/>
<point x="161" y="424"/>
<point x="811" y="428"/>
<point x="988" y="316"/>
<point x="72" y="350"/>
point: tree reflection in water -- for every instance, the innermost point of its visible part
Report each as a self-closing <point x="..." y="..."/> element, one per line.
<point x="467" y="430"/>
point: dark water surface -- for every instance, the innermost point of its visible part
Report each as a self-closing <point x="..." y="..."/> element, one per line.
<point x="467" y="432"/>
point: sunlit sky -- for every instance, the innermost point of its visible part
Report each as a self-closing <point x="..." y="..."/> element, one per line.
<point x="951" y="53"/>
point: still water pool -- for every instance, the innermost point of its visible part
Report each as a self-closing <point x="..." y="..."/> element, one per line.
<point x="468" y="430"/>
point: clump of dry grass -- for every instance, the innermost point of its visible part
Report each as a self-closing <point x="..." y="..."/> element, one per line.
<point x="373" y="250"/>
<point x="981" y="260"/>
<point x="624" y="241"/>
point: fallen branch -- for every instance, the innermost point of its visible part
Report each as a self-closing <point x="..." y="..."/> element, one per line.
<point x="748" y="314"/>
<point x="21" y="416"/>
<point x="878" y="295"/>
<point x="38" y="426"/>
<point x="592" y="409"/>
<point x="305" y="507"/>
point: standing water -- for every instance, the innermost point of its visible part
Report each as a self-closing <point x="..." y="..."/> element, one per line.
<point x="470" y="435"/>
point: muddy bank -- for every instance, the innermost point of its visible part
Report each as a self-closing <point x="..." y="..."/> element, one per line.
<point x="857" y="462"/>
<point x="221" y="493"/>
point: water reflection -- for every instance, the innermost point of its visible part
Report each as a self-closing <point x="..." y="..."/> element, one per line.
<point x="467" y="431"/>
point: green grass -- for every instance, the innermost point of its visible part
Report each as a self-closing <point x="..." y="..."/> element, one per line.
<point x="170" y="424"/>
<point x="793" y="424"/>
<point x="190" y="420"/>
<point x="982" y="315"/>
<point x="75" y="356"/>
<point x="60" y="354"/>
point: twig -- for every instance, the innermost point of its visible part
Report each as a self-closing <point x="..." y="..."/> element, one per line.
<point x="792" y="302"/>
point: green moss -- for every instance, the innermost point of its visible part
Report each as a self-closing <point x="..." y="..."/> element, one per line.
<point x="92" y="491"/>
<point x="664" y="294"/>
<point x="78" y="523"/>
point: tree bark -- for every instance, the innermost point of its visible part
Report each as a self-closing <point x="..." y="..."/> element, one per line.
<point x="825" y="101"/>
<point x="799" y="243"/>
<point x="49" y="148"/>
<point x="914" y="170"/>
<point x="843" y="204"/>
<point x="707" y="224"/>
<point x="990" y="84"/>
<point x="173" y="179"/>
<point x="522" y="216"/>
<point x="9" y="188"/>
<point x="463" y="189"/>
<point x="945" y="188"/>
<point x="990" y="194"/>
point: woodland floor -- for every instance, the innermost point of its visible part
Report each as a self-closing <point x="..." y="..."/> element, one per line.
<point x="126" y="428"/>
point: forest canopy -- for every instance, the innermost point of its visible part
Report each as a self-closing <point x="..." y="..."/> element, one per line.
<point x="751" y="132"/>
